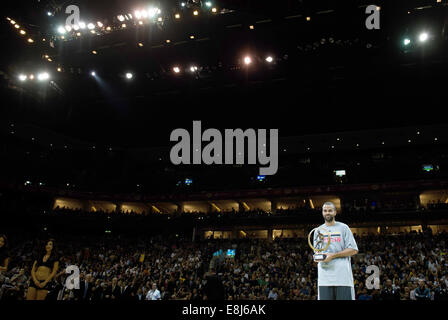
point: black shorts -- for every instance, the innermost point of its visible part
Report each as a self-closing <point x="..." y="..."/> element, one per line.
<point x="336" y="293"/>
<point x="46" y="287"/>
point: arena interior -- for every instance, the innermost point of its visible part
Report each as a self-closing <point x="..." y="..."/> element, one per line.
<point x="85" y="146"/>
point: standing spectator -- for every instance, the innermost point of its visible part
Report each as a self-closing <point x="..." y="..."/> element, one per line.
<point x="154" y="293"/>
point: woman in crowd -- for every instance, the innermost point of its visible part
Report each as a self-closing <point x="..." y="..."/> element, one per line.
<point x="4" y="256"/>
<point x="43" y="271"/>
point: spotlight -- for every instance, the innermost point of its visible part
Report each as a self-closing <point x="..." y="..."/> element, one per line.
<point x="129" y="75"/>
<point x="99" y="24"/>
<point x="251" y="27"/>
<point x="94" y="52"/>
<point x="59" y="69"/>
<point x="49" y="14"/>
<point x="195" y="12"/>
<point x="61" y="30"/>
<point x="183" y="4"/>
<point x="193" y="68"/>
<point x="152" y="12"/>
<point x="269" y="59"/>
<point x="43" y="76"/>
<point x="120" y="18"/>
<point x="191" y="37"/>
<point x="31" y="76"/>
<point x="423" y="37"/>
<point x="308" y="18"/>
<point x="13" y="22"/>
<point x="208" y="4"/>
<point x="140" y="22"/>
<point x="22" y="77"/>
<point x="160" y="19"/>
<point x="93" y="73"/>
<point x="168" y="41"/>
<point x="78" y="34"/>
<point x="82" y="25"/>
<point x="406" y="41"/>
<point x="247" y="60"/>
<point x="17" y="26"/>
<point x="214" y="10"/>
<point x="22" y="32"/>
<point x="91" y="26"/>
<point x="68" y="28"/>
<point x="177" y="16"/>
<point x="30" y="40"/>
<point x="76" y="27"/>
<point x="138" y="14"/>
<point x="176" y="69"/>
<point x="140" y="44"/>
<point x="108" y="28"/>
<point x="123" y="25"/>
<point x="92" y="31"/>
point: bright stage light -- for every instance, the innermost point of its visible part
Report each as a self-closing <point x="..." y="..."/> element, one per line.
<point x="423" y="37"/>
<point x="22" y="77"/>
<point x="76" y="27"/>
<point x="78" y="34"/>
<point x="82" y="25"/>
<point x="247" y="60"/>
<point x="129" y="75"/>
<point x="13" y="22"/>
<point x="193" y="68"/>
<point x="59" y="69"/>
<point x="152" y="12"/>
<point x="30" y="40"/>
<point x="49" y="14"/>
<point x="108" y="28"/>
<point x="176" y="69"/>
<point x="68" y="28"/>
<point x="17" y="26"/>
<point x="31" y="76"/>
<point x="183" y="4"/>
<point x="43" y="76"/>
<point x="195" y="12"/>
<point x="91" y="26"/>
<point x="61" y="30"/>
<point x="120" y="18"/>
<point x="140" y="22"/>
<point x="269" y="59"/>
<point x="177" y="16"/>
<point x="92" y="31"/>
<point x="123" y="25"/>
<point x="138" y="14"/>
<point x="100" y="24"/>
<point x="208" y="4"/>
<point x="22" y="32"/>
<point x="214" y="10"/>
<point x="93" y="73"/>
<point x="160" y="19"/>
<point x="406" y="41"/>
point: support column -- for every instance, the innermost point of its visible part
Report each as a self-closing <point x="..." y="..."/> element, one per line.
<point x="274" y="203"/>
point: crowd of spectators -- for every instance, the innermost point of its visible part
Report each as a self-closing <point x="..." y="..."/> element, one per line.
<point x="412" y="266"/>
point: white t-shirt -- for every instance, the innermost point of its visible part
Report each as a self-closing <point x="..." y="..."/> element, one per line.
<point x="153" y="295"/>
<point x="337" y="272"/>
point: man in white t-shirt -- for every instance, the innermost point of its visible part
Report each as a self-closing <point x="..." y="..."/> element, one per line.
<point x="153" y="294"/>
<point x="334" y="274"/>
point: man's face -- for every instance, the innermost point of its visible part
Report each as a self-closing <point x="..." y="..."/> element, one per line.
<point x="328" y="212"/>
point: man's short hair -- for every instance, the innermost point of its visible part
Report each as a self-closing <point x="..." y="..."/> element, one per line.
<point x="331" y="204"/>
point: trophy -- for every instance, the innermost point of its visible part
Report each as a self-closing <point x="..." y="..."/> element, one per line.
<point x="320" y="244"/>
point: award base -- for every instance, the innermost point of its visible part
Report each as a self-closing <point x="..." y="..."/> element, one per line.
<point x="319" y="257"/>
